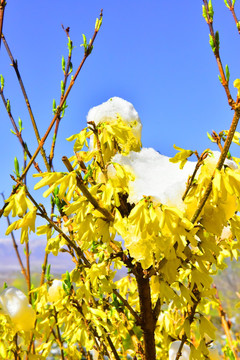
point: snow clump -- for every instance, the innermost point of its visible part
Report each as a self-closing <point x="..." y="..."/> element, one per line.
<point x="14" y="303"/>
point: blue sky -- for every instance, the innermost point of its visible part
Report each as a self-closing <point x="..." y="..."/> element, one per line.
<point x="154" y="54"/>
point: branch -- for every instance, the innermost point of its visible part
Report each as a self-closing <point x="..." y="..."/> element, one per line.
<point x="220" y="162"/>
<point x="2" y="8"/>
<point x="217" y="56"/>
<point x="18" y="134"/>
<point x="44" y="215"/>
<point x="66" y="75"/>
<point x="86" y="193"/>
<point x="59" y="108"/>
<point x="231" y="8"/>
<point x="126" y="303"/>
<point x="225" y="324"/>
<point x="15" y="66"/>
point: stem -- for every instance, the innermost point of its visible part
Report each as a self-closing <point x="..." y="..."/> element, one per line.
<point x="220" y="162"/>
<point x="59" y="335"/>
<point x="218" y="59"/>
<point x="225" y="325"/>
<point x="2" y="8"/>
<point x="231" y="8"/>
<point x="190" y="318"/>
<point x="18" y="134"/>
<point x="59" y="109"/>
<point x="125" y="302"/>
<point x="15" y="66"/>
<point x="148" y="322"/>
<point x="66" y="75"/>
<point x="44" y="215"/>
<point x="86" y="193"/>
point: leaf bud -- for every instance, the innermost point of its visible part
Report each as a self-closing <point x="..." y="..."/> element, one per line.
<point x="227" y="73"/>
<point x="54" y="106"/>
<point x="62" y="87"/>
<point x="63" y="64"/>
<point x="16" y="166"/>
<point x="226" y="3"/>
<point x="8" y="106"/>
<point x="210" y="9"/>
<point x="2" y="82"/>
<point x="204" y="13"/>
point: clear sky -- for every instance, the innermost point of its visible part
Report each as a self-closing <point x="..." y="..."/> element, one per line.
<point x="155" y="54"/>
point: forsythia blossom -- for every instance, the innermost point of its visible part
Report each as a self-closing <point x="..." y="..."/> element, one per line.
<point x="14" y="303"/>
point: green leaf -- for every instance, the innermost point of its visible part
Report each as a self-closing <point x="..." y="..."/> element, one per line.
<point x="220" y="79"/>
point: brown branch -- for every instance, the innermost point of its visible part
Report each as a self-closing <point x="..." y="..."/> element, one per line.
<point x="148" y="322"/>
<point x="18" y="134"/>
<point x="220" y="162"/>
<point x="190" y="318"/>
<point x="231" y="8"/>
<point x="66" y="75"/>
<point x="225" y="324"/>
<point x="218" y="59"/>
<point x="128" y="306"/>
<point x="43" y="214"/>
<point x="2" y="8"/>
<point x="86" y="193"/>
<point x="190" y="182"/>
<point x="15" y="66"/>
<point x="59" y="108"/>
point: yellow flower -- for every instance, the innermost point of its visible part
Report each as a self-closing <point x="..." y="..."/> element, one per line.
<point x="236" y="84"/>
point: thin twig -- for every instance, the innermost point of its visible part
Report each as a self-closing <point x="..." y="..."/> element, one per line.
<point x="126" y="303"/>
<point x="217" y="56"/>
<point x="220" y="162"/>
<point x="2" y="8"/>
<point x="15" y="66"/>
<point x="17" y="132"/>
<point x="59" y="108"/>
<point x="225" y="324"/>
<point x="66" y="75"/>
<point x="86" y="193"/>
<point x="231" y="8"/>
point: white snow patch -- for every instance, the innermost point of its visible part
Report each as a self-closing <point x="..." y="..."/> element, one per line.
<point x="155" y="176"/>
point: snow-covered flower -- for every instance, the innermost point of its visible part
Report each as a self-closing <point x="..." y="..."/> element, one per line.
<point x="14" y="303"/>
<point x="155" y="176"/>
<point x="111" y="111"/>
<point x="55" y="291"/>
